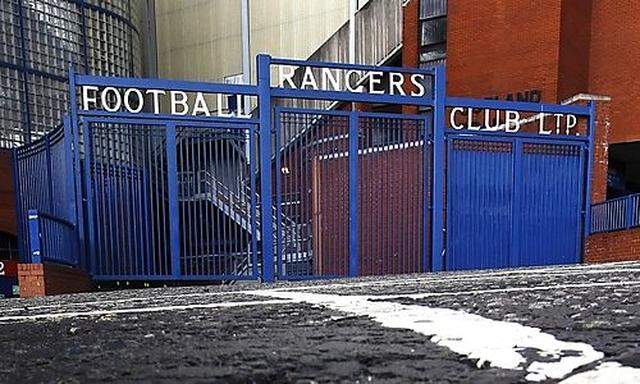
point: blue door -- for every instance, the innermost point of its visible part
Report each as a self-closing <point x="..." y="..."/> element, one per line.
<point x="550" y="204"/>
<point x="479" y="190"/>
<point x="513" y="203"/>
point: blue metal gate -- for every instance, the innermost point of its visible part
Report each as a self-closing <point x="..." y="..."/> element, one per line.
<point x="170" y="199"/>
<point x="516" y="199"/>
<point x="299" y="192"/>
<point x="351" y="193"/>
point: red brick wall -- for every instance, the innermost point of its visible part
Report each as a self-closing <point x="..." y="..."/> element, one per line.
<point x="614" y="61"/>
<point x="390" y="196"/>
<point x="7" y="193"/>
<point x="50" y="279"/>
<point x="575" y="34"/>
<point x="495" y="47"/>
<point x="613" y="246"/>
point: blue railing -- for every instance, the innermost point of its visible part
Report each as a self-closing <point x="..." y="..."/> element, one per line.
<point x="616" y="214"/>
<point x="52" y="239"/>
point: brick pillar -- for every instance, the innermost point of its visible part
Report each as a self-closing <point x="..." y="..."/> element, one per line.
<point x="410" y="42"/>
<point x="600" y="152"/>
<point x="600" y="144"/>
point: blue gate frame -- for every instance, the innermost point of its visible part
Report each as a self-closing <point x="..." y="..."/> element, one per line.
<point x="263" y="127"/>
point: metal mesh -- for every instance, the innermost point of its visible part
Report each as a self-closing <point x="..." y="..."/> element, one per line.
<point x="38" y="41"/>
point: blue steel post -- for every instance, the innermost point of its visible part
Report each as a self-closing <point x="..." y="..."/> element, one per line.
<point x="516" y="208"/>
<point x="264" y="107"/>
<point x="427" y="170"/>
<point x="90" y="238"/>
<point x="590" y="152"/>
<point x="49" y="180"/>
<point x="254" y="226"/>
<point x="279" y="238"/>
<point x="354" y="261"/>
<point x="174" y="210"/>
<point x="34" y="237"/>
<point x="69" y="213"/>
<point x="19" y="205"/>
<point x="76" y="166"/>
<point x="438" y="167"/>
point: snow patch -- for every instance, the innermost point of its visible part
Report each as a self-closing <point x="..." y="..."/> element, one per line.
<point x="606" y="373"/>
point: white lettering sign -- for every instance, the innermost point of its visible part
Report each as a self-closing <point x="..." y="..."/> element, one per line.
<point x="351" y="80"/>
<point x="472" y="119"/>
<point x="179" y="103"/>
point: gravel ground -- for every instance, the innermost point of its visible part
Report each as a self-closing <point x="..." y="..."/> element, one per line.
<point x="236" y="334"/>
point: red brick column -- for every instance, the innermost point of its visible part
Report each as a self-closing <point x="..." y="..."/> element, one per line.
<point x="601" y="143"/>
<point x="600" y="152"/>
<point x="51" y="279"/>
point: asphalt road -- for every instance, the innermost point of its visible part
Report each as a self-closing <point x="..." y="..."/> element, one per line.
<point x="578" y="324"/>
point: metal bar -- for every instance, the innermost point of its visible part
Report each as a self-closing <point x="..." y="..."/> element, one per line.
<point x="354" y="259"/>
<point x="168" y="85"/>
<point x="23" y="70"/>
<point x="427" y="153"/>
<point x="264" y="105"/>
<point x="438" y="171"/>
<point x="32" y="71"/>
<point x="361" y="67"/>
<point x="280" y="238"/>
<point x="254" y="224"/>
<point x="18" y="206"/>
<point x="77" y="169"/>
<point x="160" y="119"/>
<point x="174" y="217"/>
<point x="589" y="172"/>
<point x="88" y="150"/>
<point x="516" y="209"/>
<point x="516" y="106"/>
<point x="487" y="135"/>
<point x="350" y="97"/>
<point x="311" y="111"/>
<point x="34" y="237"/>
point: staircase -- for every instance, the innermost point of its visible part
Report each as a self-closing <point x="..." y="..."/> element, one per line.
<point x="203" y="185"/>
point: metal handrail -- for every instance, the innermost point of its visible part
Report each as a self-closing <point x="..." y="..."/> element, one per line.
<point x="615" y="214"/>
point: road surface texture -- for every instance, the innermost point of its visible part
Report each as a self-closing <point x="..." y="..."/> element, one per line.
<point x="569" y="324"/>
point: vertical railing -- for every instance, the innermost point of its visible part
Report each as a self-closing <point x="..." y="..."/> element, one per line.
<point x="52" y="239"/>
<point x="44" y="181"/>
<point x="616" y="214"/>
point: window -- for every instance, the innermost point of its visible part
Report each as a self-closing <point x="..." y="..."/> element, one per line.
<point x="433" y="32"/>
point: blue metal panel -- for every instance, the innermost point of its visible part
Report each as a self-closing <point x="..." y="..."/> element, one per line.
<point x="549" y="227"/>
<point x="479" y="195"/>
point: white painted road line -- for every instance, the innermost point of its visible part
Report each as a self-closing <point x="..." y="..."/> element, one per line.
<point x="106" y="312"/>
<point x="459" y="278"/>
<point x="147" y="299"/>
<point x="505" y="290"/>
<point x="499" y="343"/>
